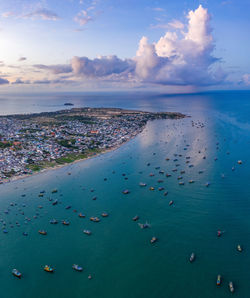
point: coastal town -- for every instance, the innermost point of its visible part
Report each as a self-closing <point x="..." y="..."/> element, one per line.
<point x="33" y="142"/>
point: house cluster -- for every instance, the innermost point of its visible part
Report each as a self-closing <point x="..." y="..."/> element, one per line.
<point x="26" y="142"/>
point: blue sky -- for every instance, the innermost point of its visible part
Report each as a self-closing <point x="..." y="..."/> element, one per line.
<point x="99" y="44"/>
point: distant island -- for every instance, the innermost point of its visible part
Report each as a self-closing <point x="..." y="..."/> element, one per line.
<point x="33" y="142"/>
<point x="68" y="104"/>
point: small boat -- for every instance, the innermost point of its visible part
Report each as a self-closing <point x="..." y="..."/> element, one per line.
<point x="151" y="174"/>
<point x="88" y="232"/>
<point x="191" y="181"/>
<point x="219" y="233"/>
<point x="89" y="276"/>
<point x="135" y="218"/>
<point x="179" y="177"/>
<point x="16" y="273"/>
<point x="105" y="214"/>
<point x="207" y="184"/>
<point x="218" y="282"/>
<point x="40" y="195"/>
<point x="192" y="257"/>
<point x="144" y="226"/>
<point x="125" y="192"/>
<point x="55" y="202"/>
<point x="153" y="240"/>
<point x="171" y="203"/>
<point x="67" y="207"/>
<point x="165" y="193"/>
<point x="239" y="248"/>
<point x="231" y="286"/>
<point x="151" y="188"/>
<point x="239" y="162"/>
<point x="48" y="268"/>
<point x="25" y="234"/>
<point x="54" y="190"/>
<point x="161" y="188"/>
<point x="42" y="232"/>
<point x="53" y="221"/>
<point x="142" y="184"/>
<point x="65" y="222"/>
<point x="77" y="267"/>
<point x="81" y="215"/>
<point x="168" y="175"/>
<point x="95" y="219"/>
<point x="181" y="183"/>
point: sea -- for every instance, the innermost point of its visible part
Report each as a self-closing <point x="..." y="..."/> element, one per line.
<point x="123" y="263"/>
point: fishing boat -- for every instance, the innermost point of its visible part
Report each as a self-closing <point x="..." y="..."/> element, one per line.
<point x="192" y="257"/>
<point x="77" y="267"/>
<point x="231" y="286"/>
<point x="53" y="221"/>
<point x="105" y="214"/>
<point x="16" y="273"/>
<point x="144" y="226"/>
<point x="171" y="203"/>
<point x="135" y="218"/>
<point x="153" y="240"/>
<point x="218" y="282"/>
<point x="88" y="232"/>
<point x="81" y="215"/>
<point x="239" y="248"/>
<point x="48" y="268"/>
<point x="65" y="222"/>
<point x="95" y="219"/>
<point x="42" y="232"/>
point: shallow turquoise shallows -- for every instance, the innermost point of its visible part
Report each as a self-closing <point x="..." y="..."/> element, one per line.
<point x="118" y="254"/>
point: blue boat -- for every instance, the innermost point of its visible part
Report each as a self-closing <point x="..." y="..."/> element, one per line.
<point x="16" y="273"/>
<point x="77" y="267"/>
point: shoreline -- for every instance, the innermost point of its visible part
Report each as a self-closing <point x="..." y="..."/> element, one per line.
<point x="73" y="134"/>
<point x="56" y="167"/>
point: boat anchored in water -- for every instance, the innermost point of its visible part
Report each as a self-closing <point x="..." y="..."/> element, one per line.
<point x="218" y="282"/>
<point x="153" y="240"/>
<point x="42" y="232"/>
<point x="239" y="248"/>
<point x="16" y="273"/>
<point x="87" y="232"/>
<point x="77" y="267"/>
<point x="231" y="286"/>
<point x="48" y="268"/>
<point x="192" y="257"/>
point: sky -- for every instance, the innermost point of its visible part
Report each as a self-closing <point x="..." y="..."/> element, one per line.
<point x="170" y="46"/>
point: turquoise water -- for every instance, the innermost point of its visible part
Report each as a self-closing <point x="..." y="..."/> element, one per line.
<point x="118" y="254"/>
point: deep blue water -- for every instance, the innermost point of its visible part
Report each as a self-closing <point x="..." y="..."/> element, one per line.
<point x="118" y="254"/>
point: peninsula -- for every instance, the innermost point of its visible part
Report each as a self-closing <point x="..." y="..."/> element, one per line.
<point x="33" y="142"/>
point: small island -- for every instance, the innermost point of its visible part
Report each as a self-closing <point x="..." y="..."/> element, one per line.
<point x="33" y="142"/>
